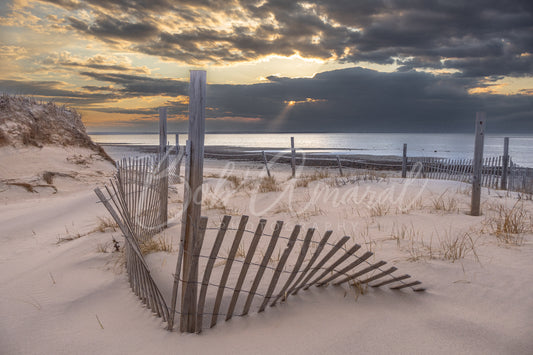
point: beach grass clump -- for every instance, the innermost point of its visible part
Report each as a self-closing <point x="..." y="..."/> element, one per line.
<point x="268" y="184"/>
<point x="445" y="203"/>
<point x="404" y="232"/>
<point x="509" y="224"/>
<point x="379" y="209"/>
<point x="234" y="180"/>
<point x="105" y="224"/>
<point x="218" y="204"/>
<point x="103" y="247"/>
<point x="454" y="246"/>
<point x="450" y="246"/>
<point x="156" y="244"/>
<point x="318" y="174"/>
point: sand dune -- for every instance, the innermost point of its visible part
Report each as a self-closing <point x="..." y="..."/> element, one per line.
<point x="63" y="290"/>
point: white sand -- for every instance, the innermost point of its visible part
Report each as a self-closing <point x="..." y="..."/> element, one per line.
<point x="52" y="296"/>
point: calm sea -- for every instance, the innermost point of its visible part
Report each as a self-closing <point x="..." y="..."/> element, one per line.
<point x="419" y="144"/>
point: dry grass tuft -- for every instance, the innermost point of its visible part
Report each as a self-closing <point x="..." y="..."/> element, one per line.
<point x="445" y="203"/>
<point x="235" y="181"/>
<point x="450" y="246"/>
<point x="404" y="233"/>
<point x="318" y="174"/>
<point x="358" y="288"/>
<point x="103" y="247"/>
<point x="218" y="204"/>
<point x="156" y="244"/>
<point x="269" y="184"/>
<point x="379" y="209"/>
<point x="241" y="252"/>
<point x="457" y="246"/>
<point x="105" y="223"/>
<point x="509" y="224"/>
<point x="466" y="190"/>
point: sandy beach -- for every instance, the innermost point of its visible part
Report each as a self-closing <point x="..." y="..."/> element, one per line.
<point x="65" y="291"/>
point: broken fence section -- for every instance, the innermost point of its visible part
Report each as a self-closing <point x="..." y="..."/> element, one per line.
<point x="240" y="270"/>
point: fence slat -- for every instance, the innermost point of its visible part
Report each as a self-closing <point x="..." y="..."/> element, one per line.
<point x="359" y="273"/>
<point x="262" y="266"/>
<point x="330" y="268"/>
<point x="305" y="285"/>
<point x="299" y="261"/>
<point x="343" y="271"/>
<point x="379" y="276"/>
<point x="247" y="261"/>
<point x="279" y="267"/>
<point x="227" y="267"/>
<point x="208" y="269"/>
<point x="294" y="289"/>
<point x="394" y="279"/>
<point x="406" y="285"/>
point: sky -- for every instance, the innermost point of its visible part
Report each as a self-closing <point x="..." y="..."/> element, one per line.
<point x="276" y="66"/>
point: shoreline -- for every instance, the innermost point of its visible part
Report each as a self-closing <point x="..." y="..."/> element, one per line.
<point x="304" y="156"/>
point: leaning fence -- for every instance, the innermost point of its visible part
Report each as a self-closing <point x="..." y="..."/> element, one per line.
<point x="137" y="187"/>
<point x="301" y="262"/>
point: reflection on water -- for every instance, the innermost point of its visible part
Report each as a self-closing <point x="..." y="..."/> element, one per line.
<point x="419" y="144"/>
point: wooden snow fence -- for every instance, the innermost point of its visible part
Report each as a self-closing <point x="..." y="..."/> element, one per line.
<point x="243" y="270"/>
<point x="520" y="178"/>
<point x="138" y="187"/>
<point x="139" y="277"/>
<point x="461" y="170"/>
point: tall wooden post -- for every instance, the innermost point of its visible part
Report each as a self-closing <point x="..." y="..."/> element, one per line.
<point x="505" y="163"/>
<point x="293" y="158"/>
<point x="163" y="166"/>
<point x="178" y="159"/>
<point x="404" y="161"/>
<point x="477" y="163"/>
<point x="193" y="204"/>
<point x="266" y="162"/>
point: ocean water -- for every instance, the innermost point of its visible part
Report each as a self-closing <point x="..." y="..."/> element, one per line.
<point x="418" y="144"/>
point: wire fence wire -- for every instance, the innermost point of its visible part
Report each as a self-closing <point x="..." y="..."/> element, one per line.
<point x="132" y="199"/>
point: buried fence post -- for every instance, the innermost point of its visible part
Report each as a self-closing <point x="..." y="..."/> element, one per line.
<point x="505" y="163"/>
<point x="293" y="158"/>
<point x="163" y="167"/>
<point x="477" y="164"/>
<point x="404" y="161"/>
<point x="266" y="163"/>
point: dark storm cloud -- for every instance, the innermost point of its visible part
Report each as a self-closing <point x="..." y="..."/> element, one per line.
<point x="133" y="85"/>
<point x="365" y="100"/>
<point x="98" y="62"/>
<point x="358" y="100"/>
<point x="53" y="90"/>
<point x="478" y="37"/>
<point x="107" y="27"/>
